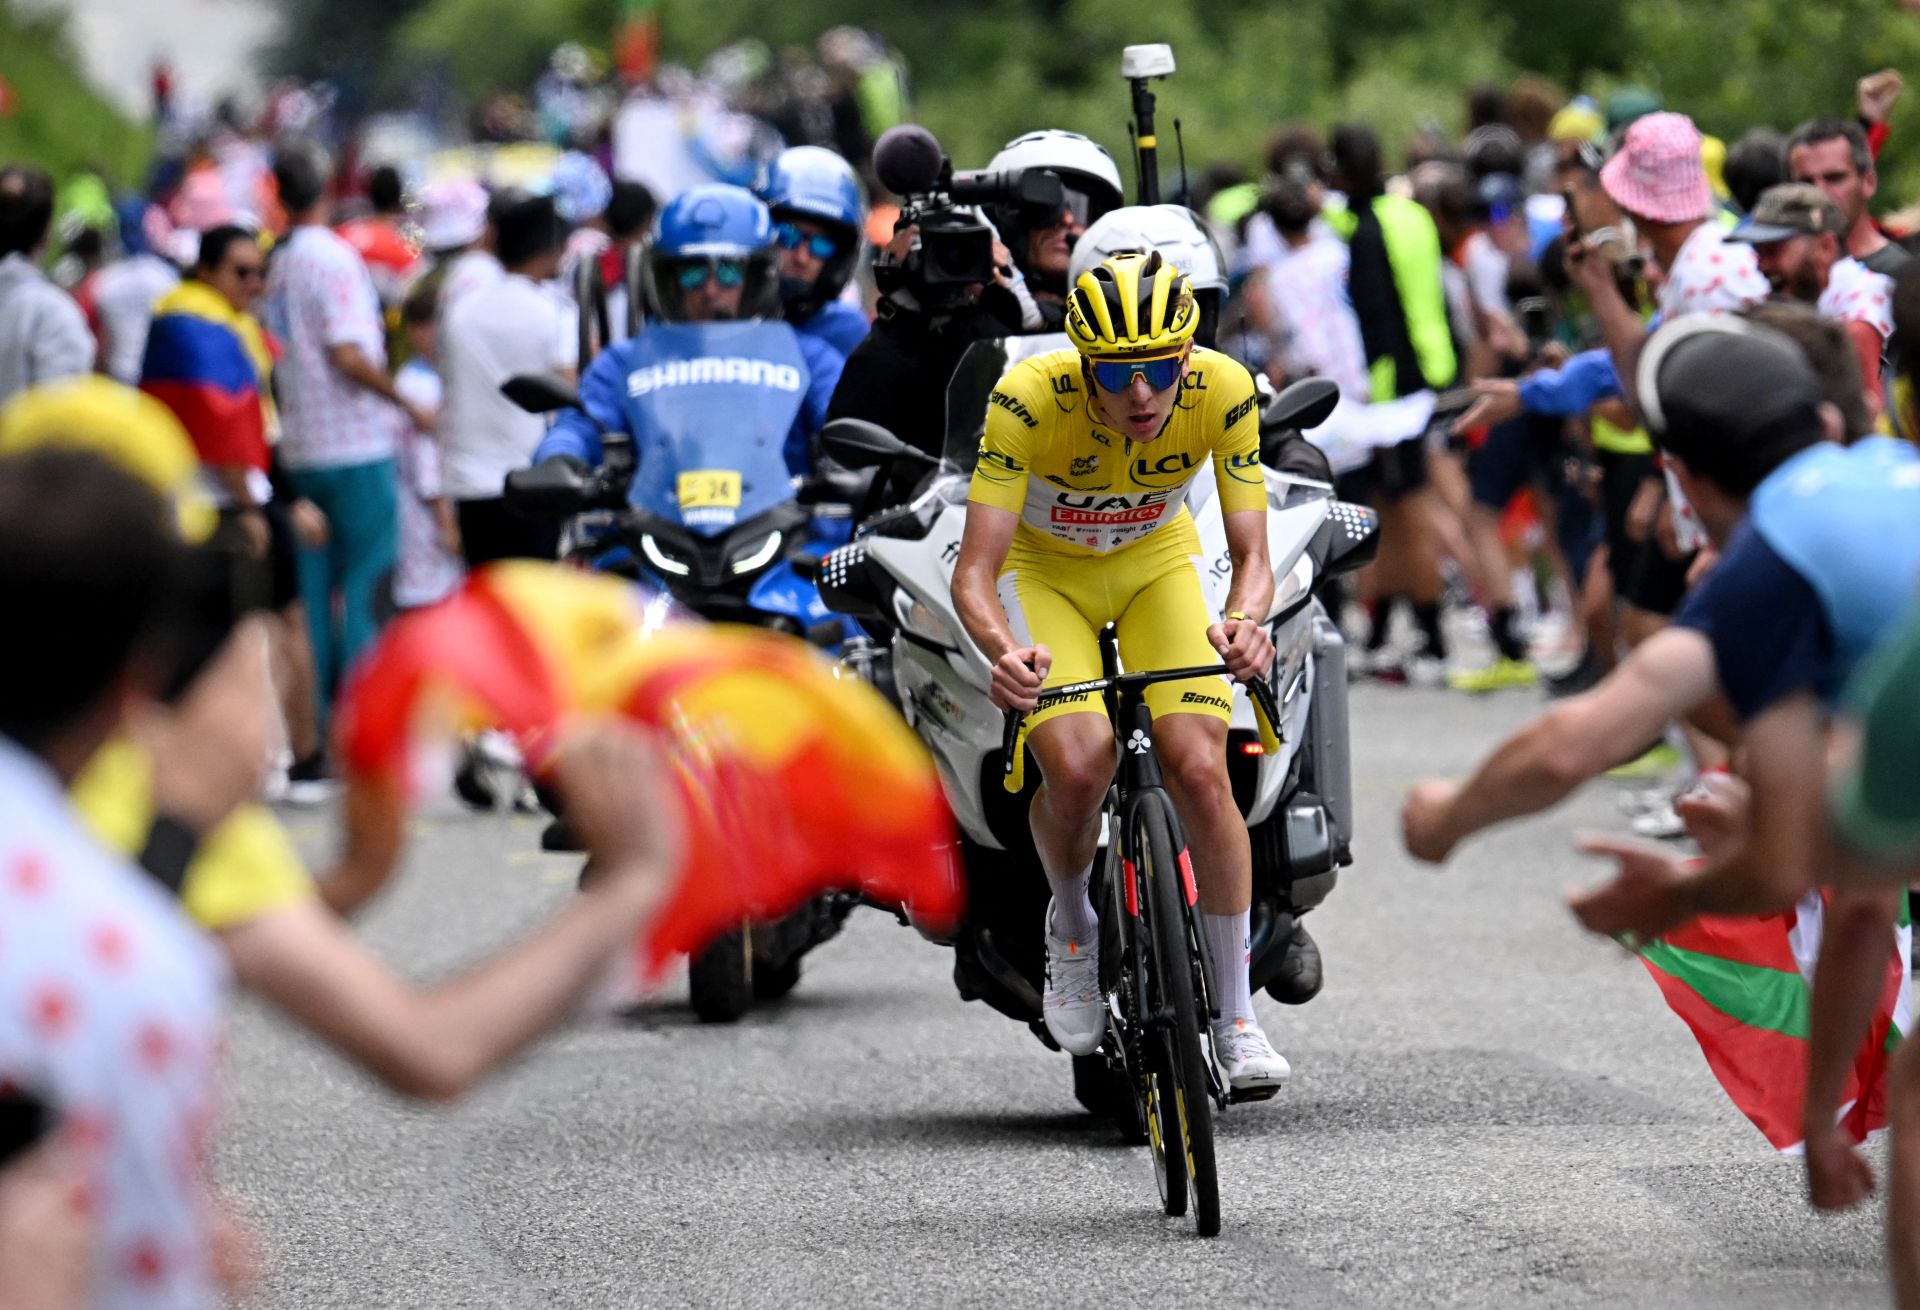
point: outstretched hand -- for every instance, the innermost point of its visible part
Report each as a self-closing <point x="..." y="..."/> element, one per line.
<point x="1496" y="400"/>
<point x="1642" y="901"/>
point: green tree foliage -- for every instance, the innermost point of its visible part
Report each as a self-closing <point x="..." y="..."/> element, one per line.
<point x="984" y="70"/>
<point x="58" y="121"/>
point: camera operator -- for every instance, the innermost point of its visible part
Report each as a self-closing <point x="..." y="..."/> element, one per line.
<point x="947" y="279"/>
<point x="1041" y="235"/>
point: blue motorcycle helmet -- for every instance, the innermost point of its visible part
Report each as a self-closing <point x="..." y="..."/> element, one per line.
<point x="712" y="258"/>
<point x="813" y="186"/>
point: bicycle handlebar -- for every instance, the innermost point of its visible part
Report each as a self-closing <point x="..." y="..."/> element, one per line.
<point x="1266" y="711"/>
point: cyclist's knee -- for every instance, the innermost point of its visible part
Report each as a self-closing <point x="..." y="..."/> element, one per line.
<point x="1193" y="759"/>
<point x="1075" y="753"/>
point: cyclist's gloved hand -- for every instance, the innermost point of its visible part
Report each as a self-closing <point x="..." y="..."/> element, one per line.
<point x="1018" y="676"/>
<point x="1245" y="645"/>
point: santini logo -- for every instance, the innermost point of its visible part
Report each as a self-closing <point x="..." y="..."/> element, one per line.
<point x="711" y="370"/>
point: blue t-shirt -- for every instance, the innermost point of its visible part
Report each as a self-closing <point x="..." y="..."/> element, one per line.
<point x="1825" y="563"/>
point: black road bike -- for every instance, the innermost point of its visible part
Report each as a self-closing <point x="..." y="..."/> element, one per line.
<point x="1154" y="970"/>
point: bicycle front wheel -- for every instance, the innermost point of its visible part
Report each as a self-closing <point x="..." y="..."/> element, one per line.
<point x="1171" y="974"/>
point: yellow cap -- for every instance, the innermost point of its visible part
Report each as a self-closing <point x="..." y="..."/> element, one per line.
<point x="129" y="427"/>
<point x="1577" y="123"/>
<point x="1713" y="158"/>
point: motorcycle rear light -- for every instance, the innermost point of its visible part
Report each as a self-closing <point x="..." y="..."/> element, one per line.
<point x="1252" y="748"/>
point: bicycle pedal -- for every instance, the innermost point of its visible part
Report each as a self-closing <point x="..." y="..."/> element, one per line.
<point x="1248" y="1095"/>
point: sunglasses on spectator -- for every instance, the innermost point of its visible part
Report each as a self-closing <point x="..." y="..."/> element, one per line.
<point x="728" y="273"/>
<point x="1116" y="375"/>
<point x="818" y="244"/>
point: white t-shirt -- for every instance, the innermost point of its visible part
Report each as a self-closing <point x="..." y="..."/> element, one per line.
<point x="1711" y="275"/>
<point x="319" y="296"/>
<point x="425" y="571"/>
<point x="123" y="299"/>
<point x="1307" y="288"/>
<point x="1857" y="294"/>
<point x="111" y="1010"/>
<point x="513" y="326"/>
<point x="469" y="271"/>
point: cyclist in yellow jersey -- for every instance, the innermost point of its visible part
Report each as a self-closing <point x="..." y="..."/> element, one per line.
<point x="1077" y="518"/>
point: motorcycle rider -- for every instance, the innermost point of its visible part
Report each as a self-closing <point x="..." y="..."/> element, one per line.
<point x="818" y="218"/>
<point x="712" y="260"/>
<point x="1076" y="518"/>
<point x="1042" y="247"/>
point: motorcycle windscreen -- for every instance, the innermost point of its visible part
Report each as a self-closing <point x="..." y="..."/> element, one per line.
<point x="710" y="406"/>
<point x="984" y="364"/>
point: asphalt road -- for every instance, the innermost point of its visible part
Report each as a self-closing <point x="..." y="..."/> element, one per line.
<point x="1488" y="1109"/>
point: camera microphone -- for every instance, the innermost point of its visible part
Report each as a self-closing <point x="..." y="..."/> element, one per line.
<point x="908" y="160"/>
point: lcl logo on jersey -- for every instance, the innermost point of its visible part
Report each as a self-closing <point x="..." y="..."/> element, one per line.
<point x="1167" y="467"/>
<point x="1246" y="468"/>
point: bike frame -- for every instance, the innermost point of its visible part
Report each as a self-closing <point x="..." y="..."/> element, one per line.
<point x="1136" y="778"/>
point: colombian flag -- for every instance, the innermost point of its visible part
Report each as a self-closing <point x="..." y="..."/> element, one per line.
<point x="206" y="362"/>
<point x="793" y="781"/>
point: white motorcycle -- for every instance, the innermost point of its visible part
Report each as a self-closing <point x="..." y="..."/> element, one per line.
<point x="896" y="578"/>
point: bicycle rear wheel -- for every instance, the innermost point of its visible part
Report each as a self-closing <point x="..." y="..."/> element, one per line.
<point x="1171" y="979"/>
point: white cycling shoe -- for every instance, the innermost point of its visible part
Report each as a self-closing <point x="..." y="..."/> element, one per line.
<point x="1075" y="1011"/>
<point x="1248" y="1058"/>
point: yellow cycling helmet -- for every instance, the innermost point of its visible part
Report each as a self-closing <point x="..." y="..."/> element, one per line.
<point x="1131" y="306"/>
<point x="128" y="427"/>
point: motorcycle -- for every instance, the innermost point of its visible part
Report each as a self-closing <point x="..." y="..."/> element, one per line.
<point x="710" y="517"/>
<point x="896" y="577"/>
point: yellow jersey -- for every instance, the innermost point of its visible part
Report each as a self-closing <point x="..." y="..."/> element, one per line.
<point x="1081" y="487"/>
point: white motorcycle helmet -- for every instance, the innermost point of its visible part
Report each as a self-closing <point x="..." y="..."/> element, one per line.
<point x="1083" y="166"/>
<point x="1182" y="239"/>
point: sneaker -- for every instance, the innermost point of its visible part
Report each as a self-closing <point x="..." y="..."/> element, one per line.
<point x="1425" y="670"/>
<point x="1500" y="675"/>
<point x="1657" y="762"/>
<point x="1248" y="1058"/>
<point x="1075" y="1011"/>
<point x="308" y="782"/>
<point x="1662" y="823"/>
<point x="1582" y="677"/>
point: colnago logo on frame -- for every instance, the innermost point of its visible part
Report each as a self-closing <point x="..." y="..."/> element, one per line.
<point x="711" y="370"/>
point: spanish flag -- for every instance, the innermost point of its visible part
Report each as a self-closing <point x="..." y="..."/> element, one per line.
<point x="207" y="363"/>
<point x="793" y="780"/>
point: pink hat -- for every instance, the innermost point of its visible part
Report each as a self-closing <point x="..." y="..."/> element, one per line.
<point x="1657" y="173"/>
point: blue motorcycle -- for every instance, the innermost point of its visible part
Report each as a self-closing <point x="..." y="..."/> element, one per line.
<point x="699" y="503"/>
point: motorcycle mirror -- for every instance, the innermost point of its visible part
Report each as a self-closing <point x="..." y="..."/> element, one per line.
<point x="539" y="393"/>
<point x="1304" y="404"/>
<point x="557" y="486"/>
<point x="859" y="444"/>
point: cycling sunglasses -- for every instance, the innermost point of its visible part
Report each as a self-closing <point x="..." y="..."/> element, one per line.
<point x="728" y="273"/>
<point x="1116" y="375"/>
<point x="818" y="244"/>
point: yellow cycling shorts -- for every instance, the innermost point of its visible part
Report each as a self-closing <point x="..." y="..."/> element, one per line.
<point x="1150" y="590"/>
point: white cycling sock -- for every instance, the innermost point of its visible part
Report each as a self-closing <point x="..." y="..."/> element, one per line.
<point x="1226" y="936"/>
<point x="1073" y="916"/>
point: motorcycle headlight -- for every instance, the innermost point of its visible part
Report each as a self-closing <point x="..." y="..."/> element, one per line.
<point x="758" y="555"/>
<point x="660" y="559"/>
<point x="917" y="618"/>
